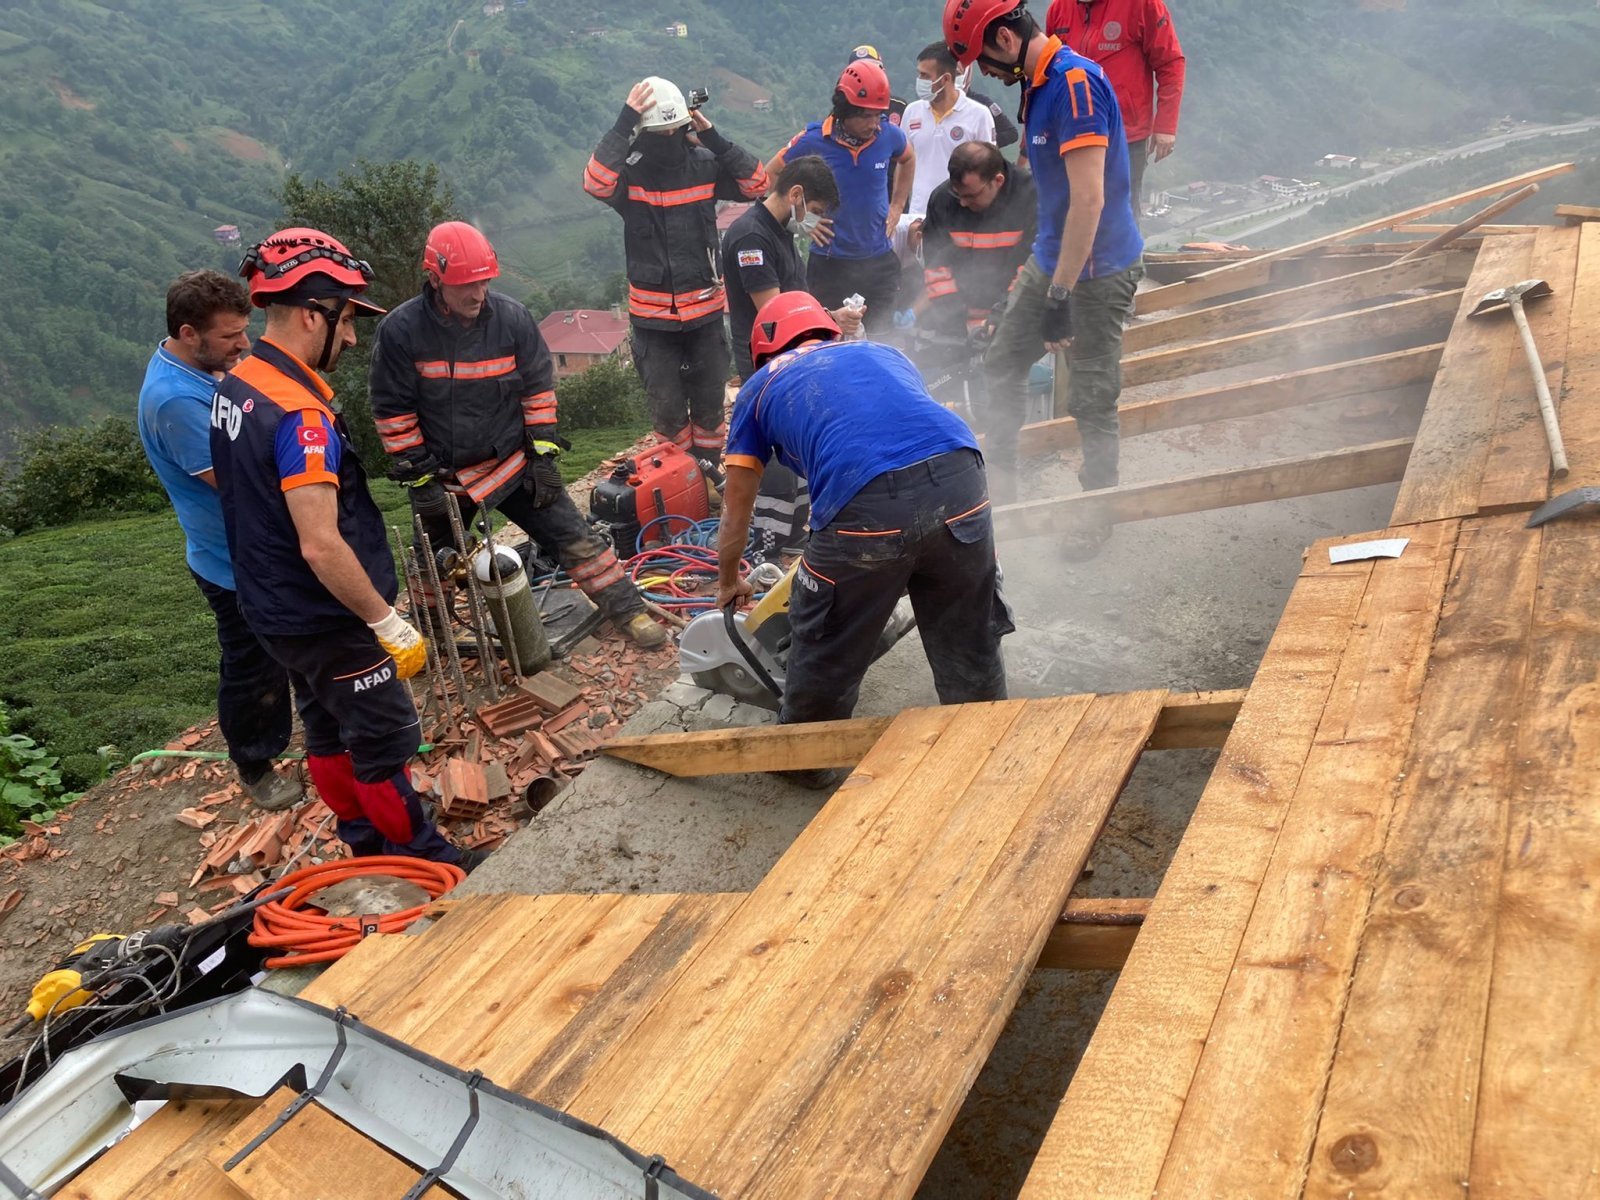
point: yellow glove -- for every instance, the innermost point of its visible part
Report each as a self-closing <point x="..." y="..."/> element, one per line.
<point x="404" y="644"/>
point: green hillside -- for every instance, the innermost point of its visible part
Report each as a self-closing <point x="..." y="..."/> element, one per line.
<point x="129" y="129"/>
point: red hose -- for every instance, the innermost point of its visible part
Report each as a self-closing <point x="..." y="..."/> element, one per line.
<point x="312" y="936"/>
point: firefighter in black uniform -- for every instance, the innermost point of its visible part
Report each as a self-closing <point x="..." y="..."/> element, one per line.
<point x="665" y="184"/>
<point x="463" y="396"/>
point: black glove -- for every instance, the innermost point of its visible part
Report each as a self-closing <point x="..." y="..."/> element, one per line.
<point x="414" y="469"/>
<point x="542" y="480"/>
<point x="1057" y="323"/>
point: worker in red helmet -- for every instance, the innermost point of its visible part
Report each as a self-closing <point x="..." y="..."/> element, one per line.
<point x="662" y="167"/>
<point x="852" y="253"/>
<point x="314" y="574"/>
<point x="899" y="503"/>
<point x="1076" y="290"/>
<point x="463" y="393"/>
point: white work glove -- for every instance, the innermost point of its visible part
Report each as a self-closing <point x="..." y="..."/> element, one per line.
<point x="403" y="643"/>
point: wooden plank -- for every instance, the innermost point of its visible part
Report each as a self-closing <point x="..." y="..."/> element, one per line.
<point x="1402" y="1095"/>
<point x="165" y="1157"/>
<point x="1217" y="282"/>
<point x="1399" y="371"/>
<point x="1539" y="1097"/>
<point x="1331" y="471"/>
<point x="1577" y="214"/>
<point x="1093" y="935"/>
<point x="1110" y="1135"/>
<point x="1580" y="406"/>
<point x="1420" y="319"/>
<point x="763" y="748"/>
<point x="1432" y="227"/>
<point x="1308" y="300"/>
<point x="1476" y="220"/>
<point x="983" y="951"/>
<point x="1259" y="1096"/>
<point x="314" y="1155"/>
<point x="796" y="909"/>
<point x="1516" y="476"/>
<point x="1196" y="720"/>
<point x="1453" y="440"/>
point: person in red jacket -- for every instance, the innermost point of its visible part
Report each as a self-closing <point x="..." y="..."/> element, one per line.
<point x="1137" y="47"/>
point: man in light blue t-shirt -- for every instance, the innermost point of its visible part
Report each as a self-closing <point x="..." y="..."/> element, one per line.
<point x="208" y="315"/>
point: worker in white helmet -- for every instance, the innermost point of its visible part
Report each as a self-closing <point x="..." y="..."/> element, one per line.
<point x="663" y="166"/>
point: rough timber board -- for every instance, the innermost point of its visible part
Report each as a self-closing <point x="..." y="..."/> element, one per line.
<point x="1111" y="1133"/>
<point x="165" y="1157"/>
<point x="1539" y="1095"/>
<point x="1403" y="1092"/>
<point x="1580" y="403"/>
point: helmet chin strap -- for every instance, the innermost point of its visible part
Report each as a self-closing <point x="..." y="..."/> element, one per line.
<point x="1015" y="70"/>
<point x="331" y="321"/>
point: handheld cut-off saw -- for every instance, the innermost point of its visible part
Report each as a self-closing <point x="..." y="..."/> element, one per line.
<point x="745" y="654"/>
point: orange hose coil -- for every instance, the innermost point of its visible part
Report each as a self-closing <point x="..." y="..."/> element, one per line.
<point x="310" y="936"/>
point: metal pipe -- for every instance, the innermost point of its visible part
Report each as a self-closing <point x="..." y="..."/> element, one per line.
<point x="486" y="657"/>
<point x="424" y="618"/>
<point x="449" y="638"/>
<point x="507" y="637"/>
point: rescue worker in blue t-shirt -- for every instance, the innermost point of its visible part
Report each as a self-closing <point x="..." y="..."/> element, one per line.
<point x="1076" y="290"/>
<point x="899" y="503"/>
<point x="852" y="251"/>
<point x="311" y="554"/>
<point x="208" y="316"/>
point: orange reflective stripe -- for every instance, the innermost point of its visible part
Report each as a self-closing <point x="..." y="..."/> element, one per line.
<point x="686" y="306"/>
<point x="691" y="195"/>
<point x="976" y="508"/>
<point x="393" y="443"/>
<point x="483" y="479"/>
<point x="491" y="368"/>
<point x="754" y="187"/>
<point x="972" y="240"/>
<point x="434" y="370"/>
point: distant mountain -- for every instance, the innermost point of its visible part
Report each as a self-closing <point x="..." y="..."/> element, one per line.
<point x="131" y="129"/>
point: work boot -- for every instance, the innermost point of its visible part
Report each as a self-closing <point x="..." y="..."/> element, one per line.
<point x="471" y="860"/>
<point x="275" y="792"/>
<point x="816" y="779"/>
<point x="643" y="631"/>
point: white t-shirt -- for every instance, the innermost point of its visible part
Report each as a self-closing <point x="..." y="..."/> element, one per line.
<point x="933" y="139"/>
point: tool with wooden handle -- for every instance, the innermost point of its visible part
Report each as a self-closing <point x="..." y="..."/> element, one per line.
<point x="1513" y="296"/>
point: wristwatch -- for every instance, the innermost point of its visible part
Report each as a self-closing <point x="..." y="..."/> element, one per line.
<point x="1057" y="292"/>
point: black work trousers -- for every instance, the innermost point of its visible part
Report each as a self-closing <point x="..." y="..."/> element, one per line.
<point x="684" y="372"/>
<point x="559" y="529"/>
<point x="926" y="530"/>
<point x="254" y="705"/>
<point x="875" y="280"/>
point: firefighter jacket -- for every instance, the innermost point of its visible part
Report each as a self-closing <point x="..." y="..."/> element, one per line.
<point x="1136" y="46"/>
<point x="666" y="190"/>
<point x="471" y="396"/>
<point x="972" y="258"/>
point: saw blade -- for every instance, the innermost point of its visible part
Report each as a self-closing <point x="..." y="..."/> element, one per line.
<point x="738" y="682"/>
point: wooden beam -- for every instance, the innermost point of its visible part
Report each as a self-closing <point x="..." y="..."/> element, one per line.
<point x="1196" y="720"/>
<point x="1422" y="318"/>
<point x="1221" y="281"/>
<point x="1292" y="304"/>
<point x="1307" y="268"/>
<point x="1433" y="227"/>
<point x="1331" y="471"/>
<point x="1363" y="377"/>
<point x="1093" y="935"/>
<point x="763" y="748"/>
<point x="1483" y="215"/>
<point x="1577" y="214"/>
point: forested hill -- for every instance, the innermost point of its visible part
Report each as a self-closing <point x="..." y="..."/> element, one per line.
<point x="129" y="129"/>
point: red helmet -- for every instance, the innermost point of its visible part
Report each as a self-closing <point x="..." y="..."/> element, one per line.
<point x="295" y="265"/>
<point x="458" y="253"/>
<point x="865" y="84"/>
<point x="783" y="319"/>
<point x="966" y="21"/>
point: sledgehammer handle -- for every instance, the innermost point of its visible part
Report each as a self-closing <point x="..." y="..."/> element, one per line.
<point x="1547" y="407"/>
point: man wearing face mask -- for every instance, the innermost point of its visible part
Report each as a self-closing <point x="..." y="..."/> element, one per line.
<point x="1076" y="289"/>
<point x="853" y="252"/>
<point x="665" y="185"/>
<point x="759" y="260"/>
<point x="938" y="121"/>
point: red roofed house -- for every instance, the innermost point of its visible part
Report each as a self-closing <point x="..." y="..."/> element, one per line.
<point x="581" y="337"/>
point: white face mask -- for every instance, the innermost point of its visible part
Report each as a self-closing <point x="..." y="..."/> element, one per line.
<point x="926" y="90"/>
<point x="803" y="222"/>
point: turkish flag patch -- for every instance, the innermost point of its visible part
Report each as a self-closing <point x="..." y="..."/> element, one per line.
<point x="314" y="436"/>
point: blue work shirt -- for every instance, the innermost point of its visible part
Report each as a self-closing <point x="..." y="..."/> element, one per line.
<point x="1069" y="105"/>
<point x="862" y="173"/>
<point x="839" y="414"/>
<point x="175" y="427"/>
<point x="272" y="431"/>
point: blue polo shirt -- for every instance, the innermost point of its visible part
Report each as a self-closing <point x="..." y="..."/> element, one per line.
<point x="175" y="427"/>
<point x="272" y="432"/>
<point x="862" y="173"/>
<point x="839" y="414"/>
<point x="1069" y="105"/>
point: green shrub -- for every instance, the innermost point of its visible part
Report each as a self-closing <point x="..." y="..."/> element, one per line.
<point x="30" y="781"/>
<point x="608" y="393"/>
<point x="60" y="475"/>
